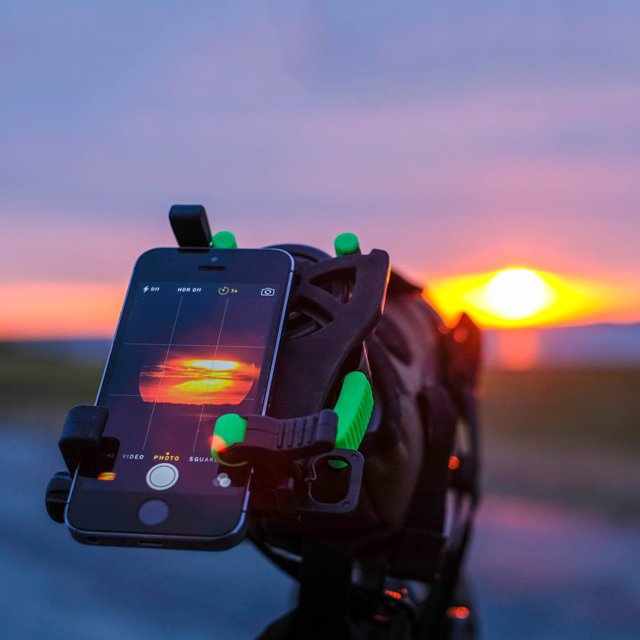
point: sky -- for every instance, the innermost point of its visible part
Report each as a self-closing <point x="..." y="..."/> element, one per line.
<point x="463" y="138"/>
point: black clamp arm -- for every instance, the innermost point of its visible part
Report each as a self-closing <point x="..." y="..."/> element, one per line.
<point x="292" y="459"/>
<point x="190" y="225"/>
<point x="272" y="441"/>
<point x="82" y="432"/>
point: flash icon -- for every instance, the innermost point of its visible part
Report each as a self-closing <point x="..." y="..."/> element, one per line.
<point x="146" y="288"/>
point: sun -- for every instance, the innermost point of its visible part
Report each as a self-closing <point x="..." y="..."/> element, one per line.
<point x="517" y="294"/>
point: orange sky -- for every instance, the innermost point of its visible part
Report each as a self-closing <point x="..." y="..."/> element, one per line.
<point x="59" y="310"/>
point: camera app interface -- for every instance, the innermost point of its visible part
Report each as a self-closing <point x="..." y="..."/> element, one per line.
<point x="186" y="353"/>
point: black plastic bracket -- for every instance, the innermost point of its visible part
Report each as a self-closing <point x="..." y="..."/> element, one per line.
<point x="57" y="495"/>
<point x="290" y="457"/>
<point x="82" y="432"/>
<point x="278" y="443"/>
<point x="190" y="225"/>
<point x="335" y="305"/>
<point x="347" y="503"/>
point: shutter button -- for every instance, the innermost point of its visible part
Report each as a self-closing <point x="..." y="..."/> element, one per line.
<point x="162" y="476"/>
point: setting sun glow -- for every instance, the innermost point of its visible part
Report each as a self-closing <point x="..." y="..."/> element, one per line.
<point x="515" y="294"/>
<point x="188" y="380"/>
<point x="518" y="296"/>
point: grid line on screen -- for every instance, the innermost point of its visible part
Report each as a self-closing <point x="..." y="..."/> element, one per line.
<point x="164" y="364"/>
<point x="215" y="354"/>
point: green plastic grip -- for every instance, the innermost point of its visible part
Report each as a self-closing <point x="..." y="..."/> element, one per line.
<point x="346" y="243"/>
<point x="224" y="240"/>
<point x="354" y="408"/>
<point x="229" y="429"/>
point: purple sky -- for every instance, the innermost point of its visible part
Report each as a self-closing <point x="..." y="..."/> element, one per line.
<point x="461" y="138"/>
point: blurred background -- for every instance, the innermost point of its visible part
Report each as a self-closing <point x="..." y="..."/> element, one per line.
<point x="493" y="149"/>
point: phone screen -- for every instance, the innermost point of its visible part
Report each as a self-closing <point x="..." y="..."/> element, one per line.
<point x="186" y="352"/>
<point x="190" y="352"/>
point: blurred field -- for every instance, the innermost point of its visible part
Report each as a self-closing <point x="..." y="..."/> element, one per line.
<point x="571" y="436"/>
<point x="37" y="388"/>
<point x="599" y="407"/>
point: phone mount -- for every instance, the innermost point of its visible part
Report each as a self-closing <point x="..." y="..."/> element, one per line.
<point x="311" y="491"/>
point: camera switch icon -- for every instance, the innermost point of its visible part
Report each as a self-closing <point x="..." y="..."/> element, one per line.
<point x="268" y="291"/>
<point x="222" y="480"/>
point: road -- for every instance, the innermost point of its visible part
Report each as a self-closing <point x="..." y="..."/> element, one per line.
<point x="539" y="572"/>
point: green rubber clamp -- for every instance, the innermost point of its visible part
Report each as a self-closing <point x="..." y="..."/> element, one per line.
<point x="354" y="408"/>
<point x="224" y="240"/>
<point x="229" y="429"/>
<point x="346" y="243"/>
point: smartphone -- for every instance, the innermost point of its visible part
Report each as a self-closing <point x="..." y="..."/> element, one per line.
<point x="197" y="338"/>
